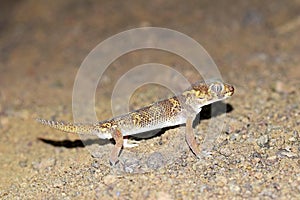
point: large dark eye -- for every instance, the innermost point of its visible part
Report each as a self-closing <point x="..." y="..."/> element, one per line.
<point x="217" y="87"/>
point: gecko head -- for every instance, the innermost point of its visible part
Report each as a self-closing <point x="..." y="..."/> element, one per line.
<point x="204" y="93"/>
<point x="219" y="91"/>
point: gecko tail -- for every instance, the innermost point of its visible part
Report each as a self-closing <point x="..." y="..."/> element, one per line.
<point x="67" y="127"/>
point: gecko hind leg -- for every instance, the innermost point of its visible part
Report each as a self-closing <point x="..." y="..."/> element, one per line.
<point x="118" y="137"/>
<point x="130" y="143"/>
<point x="190" y="137"/>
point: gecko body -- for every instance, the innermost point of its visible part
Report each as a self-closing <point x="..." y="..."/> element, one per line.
<point x="180" y="109"/>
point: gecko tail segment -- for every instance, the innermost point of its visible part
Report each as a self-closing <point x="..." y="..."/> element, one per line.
<point x="68" y="127"/>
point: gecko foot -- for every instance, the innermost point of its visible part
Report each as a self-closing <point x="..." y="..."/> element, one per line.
<point x="130" y="143"/>
<point x="114" y="155"/>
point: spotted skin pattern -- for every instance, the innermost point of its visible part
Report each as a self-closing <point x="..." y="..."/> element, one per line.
<point x="176" y="110"/>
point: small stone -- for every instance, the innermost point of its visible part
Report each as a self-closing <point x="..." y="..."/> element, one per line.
<point x="48" y="162"/>
<point x="292" y="139"/>
<point x="58" y="183"/>
<point x="131" y="165"/>
<point x="45" y="163"/>
<point x="283" y="88"/>
<point x="256" y="155"/>
<point x="95" y="164"/>
<point x="263" y="141"/>
<point x="271" y="160"/>
<point x="267" y="192"/>
<point x="109" y="179"/>
<point x="221" y="181"/>
<point x="225" y="152"/>
<point x="285" y="153"/>
<point x="258" y="175"/>
<point x="279" y="87"/>
<point x="97" y="154"/>
<point x="234" y="188"/>
<point x="229" y="129"/>
<point x="234" y="137"/>
<point x="23" y="163"/>
<point x="295" y="134"/>
<point x="155" y="161"/>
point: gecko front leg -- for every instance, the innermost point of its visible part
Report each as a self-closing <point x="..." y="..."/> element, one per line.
<point x="118" y="137"/>
<point x="190" y="137"/>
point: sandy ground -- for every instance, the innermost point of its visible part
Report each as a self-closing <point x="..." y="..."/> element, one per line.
<point x="256" y="47"/>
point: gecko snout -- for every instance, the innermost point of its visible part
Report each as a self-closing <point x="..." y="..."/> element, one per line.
<point x="229" y="90"/>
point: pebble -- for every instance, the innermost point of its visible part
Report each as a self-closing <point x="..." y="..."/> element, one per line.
<point x="271" y="160"/>
<point x="44" y="164"/>
<point x="281" y="87"/>
<point x="285" y="153"/>
<point x="95" y="164"/>
<point x="234" y="188"/>
<point x="221" y="180"/>
<point x="292" y="139"/>
<point x="225" y="152"/>
<point x="109" y="179"/>
<point x="23" y="163"/>
<point x="258" y="175"/>
<point x="131" y="165"/>
<point x="155" y="161"/>
<point x="296" y="134"/>
<point x="58" y="183"/>
<point x="263" y="141"/>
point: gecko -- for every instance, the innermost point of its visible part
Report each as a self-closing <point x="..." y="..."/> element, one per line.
<point x="177" y="110"/>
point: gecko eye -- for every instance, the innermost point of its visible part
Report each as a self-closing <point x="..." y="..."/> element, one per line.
<point x="217" y="87"/>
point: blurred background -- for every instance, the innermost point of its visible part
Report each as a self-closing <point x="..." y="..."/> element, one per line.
<point x="255" y="44"/>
